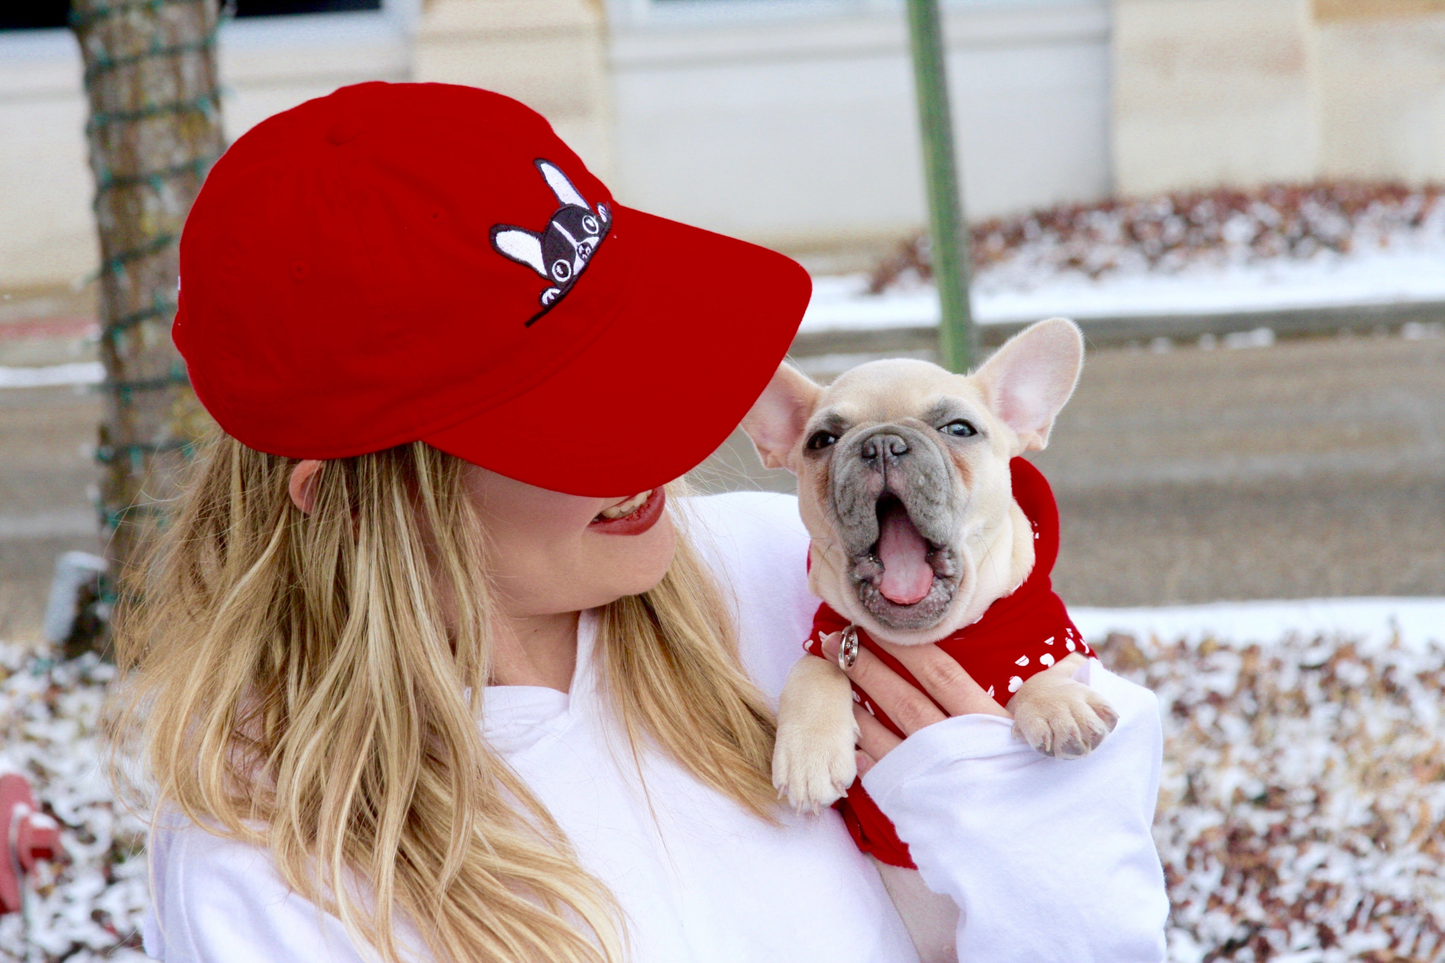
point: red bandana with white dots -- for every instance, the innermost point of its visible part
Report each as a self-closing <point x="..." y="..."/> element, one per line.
<point x="1020" y="634"/>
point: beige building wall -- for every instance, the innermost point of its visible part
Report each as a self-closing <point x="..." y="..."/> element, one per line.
<point x="794" y="124"/>
<point x="1382" y="89"/>
<point x="1244" y="92"/>
<point x="1210" y="92"/>
<point x="790" y="124"/>
<point x="549" y="54"/>
<point x="47" y="229"/>
<point x="273" y="64"/>
<point x="798" y="128"/>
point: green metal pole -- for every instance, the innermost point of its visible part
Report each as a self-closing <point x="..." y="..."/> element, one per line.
<point x="956" y="342"/>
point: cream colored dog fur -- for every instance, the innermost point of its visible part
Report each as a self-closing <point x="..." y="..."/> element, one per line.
<point x="960" y="432"/>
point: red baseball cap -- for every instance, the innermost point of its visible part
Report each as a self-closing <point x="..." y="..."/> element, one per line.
<point x="403" y="262"/>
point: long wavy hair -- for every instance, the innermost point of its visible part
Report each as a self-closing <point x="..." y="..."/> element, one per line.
<point x="312" y="683"/>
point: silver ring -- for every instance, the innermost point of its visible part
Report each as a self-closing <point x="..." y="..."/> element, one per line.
<point x="848" y="648"/>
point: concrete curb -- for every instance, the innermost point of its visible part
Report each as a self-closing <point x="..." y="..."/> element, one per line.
<point x="1141" y="329"/>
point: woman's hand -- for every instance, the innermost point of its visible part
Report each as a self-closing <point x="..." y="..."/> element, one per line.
<point x="944" y="679"/>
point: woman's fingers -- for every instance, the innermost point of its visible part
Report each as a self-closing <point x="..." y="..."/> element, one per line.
<point x="874" y="739"/>
<point x="944" y="679"/>
<point x="909" y="709"/>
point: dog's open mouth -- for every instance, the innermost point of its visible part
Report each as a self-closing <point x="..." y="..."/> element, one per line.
<point x="905" y="580"/>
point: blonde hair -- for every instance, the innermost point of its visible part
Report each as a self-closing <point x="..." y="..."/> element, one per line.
<point x="312" y="684"/>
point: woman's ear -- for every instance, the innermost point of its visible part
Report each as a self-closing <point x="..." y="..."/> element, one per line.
<point x="303" y="485"/>
<point x="780" y="414"/>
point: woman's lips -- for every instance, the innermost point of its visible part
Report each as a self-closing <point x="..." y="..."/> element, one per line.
<point x="638" y="522"/>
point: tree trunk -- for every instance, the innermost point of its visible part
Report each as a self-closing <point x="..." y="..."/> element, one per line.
<point x="154" y="131"/>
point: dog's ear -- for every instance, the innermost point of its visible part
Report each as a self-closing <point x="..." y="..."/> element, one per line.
<point x="1029" y="379"/>
<point x="561" y="186"/>
<point x="780" y="414"/>
<point x="520" y="245"/>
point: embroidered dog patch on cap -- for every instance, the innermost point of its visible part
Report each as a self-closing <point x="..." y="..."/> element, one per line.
<point x="561" y="251"/>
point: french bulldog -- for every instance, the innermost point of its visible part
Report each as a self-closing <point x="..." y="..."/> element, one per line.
<point x="904" y="483"/>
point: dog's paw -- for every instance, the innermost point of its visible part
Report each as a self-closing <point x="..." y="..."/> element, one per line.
<point x="1068" y="720"/>
<point x="814" y="769"/>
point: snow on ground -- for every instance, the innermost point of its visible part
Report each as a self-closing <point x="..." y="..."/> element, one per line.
<point x="1328" y="280"/>
<point x="1408" y="621"/>
<point x="1302" y="807"/>
<point x="91" y="908"/>
<point x="1322" y="245"/>
<point x="76" y="373"/>
<point x="1303" y="796"/>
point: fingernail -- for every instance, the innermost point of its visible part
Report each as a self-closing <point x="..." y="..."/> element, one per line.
<point x="830" y="645"/>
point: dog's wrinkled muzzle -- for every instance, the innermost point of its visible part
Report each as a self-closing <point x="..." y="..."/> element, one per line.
<point x="893" y="495"/>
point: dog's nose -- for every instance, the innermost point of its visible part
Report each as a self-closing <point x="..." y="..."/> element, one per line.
<point x="883" y="447"/>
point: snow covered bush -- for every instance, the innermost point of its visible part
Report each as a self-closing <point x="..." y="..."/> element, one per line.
<point x="1175" y="231"/>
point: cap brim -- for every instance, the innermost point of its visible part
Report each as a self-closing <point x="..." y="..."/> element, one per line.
<point x="695" y="342"/>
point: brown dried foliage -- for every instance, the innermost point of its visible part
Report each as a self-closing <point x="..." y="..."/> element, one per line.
<point x="1303" y="801"/>
<point x="1169" y="231"/>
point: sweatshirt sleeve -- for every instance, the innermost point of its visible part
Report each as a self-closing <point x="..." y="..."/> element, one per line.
<point x="757" y="546"/>
<point x="1049" y="860"/>
<point x="215" y="900"/>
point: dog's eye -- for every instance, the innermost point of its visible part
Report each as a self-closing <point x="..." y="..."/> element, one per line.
<point x="821" y="440"/>
<point x="561" y="270"/>
<point x="959" y="429"/>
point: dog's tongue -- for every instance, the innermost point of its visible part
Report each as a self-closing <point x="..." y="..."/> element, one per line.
<point x="907" y="576"/>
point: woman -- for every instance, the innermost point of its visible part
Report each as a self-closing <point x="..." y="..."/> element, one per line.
<point x="431" y="669"/>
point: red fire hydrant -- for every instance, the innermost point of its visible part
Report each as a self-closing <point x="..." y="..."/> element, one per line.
<point x="30" y="837"/>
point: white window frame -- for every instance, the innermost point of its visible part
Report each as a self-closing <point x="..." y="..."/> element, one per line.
<point x="640" y="13"/>
<point x="396" y="17"/>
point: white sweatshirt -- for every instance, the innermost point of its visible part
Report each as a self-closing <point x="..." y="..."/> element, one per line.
<point x="1049" y="860"/>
